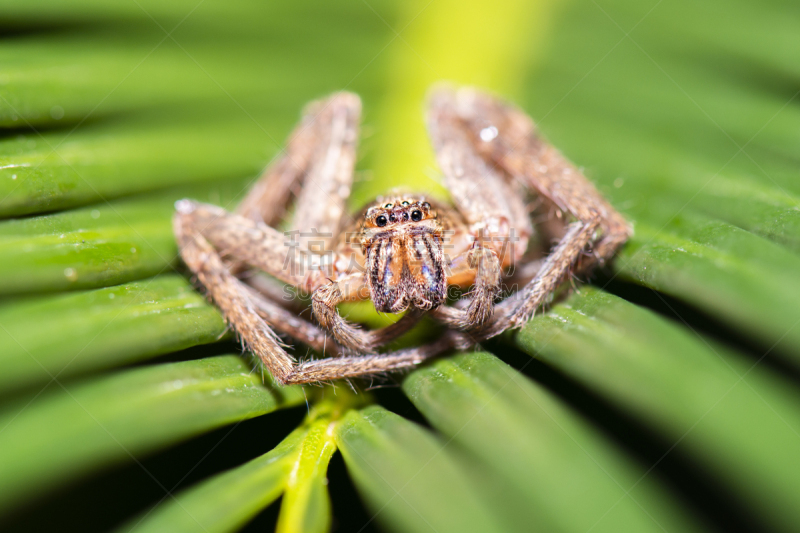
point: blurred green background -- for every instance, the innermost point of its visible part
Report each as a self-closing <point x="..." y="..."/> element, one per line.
<point x="664" y="395"/>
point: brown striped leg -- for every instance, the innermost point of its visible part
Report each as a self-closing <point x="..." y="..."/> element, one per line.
<point x="231" y="296"/>
<point x="290" y="324"/>
<point x="493" y="206"/>
<point x="317" y="166"/>
<point x="262" y="247"/>
<point x="327" y="297"/>
<point x="370" y="365"/>
<point x="488" y="277"/>
<point x="519" y="308"/>
<point x="506" y="139"/>
<point x="255" y="244"/>
<point x="516" y="148"/>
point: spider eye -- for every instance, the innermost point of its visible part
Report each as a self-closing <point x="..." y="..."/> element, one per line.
<point x="426" y="205"/>
<point x="416" y="215"/>
<point x="392" y="218"/>
<point x="381" y="221"/>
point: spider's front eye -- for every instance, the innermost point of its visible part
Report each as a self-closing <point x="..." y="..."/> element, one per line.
<point x="381" y="221"/>
<point x="416" y="215"/>
<point x="392" y="218"/>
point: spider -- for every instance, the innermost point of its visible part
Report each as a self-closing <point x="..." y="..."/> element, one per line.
<point x="404" y="250"/>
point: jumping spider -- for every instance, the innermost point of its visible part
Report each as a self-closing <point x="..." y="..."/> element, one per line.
<point x="404" y="250"/>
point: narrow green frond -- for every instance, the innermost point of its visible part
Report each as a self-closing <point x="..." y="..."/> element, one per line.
<point x="228" y="500"/>
<point x="201" y="51"/>
<point x="306" y="505"/>
<point x="104" y="160"/>
<point x="64" y="335"/>
<point x="409" y="478"/>
<point x="295" y="468"/>
<point x="730" y="273"/>
<point x="567" y="475"/>
<point x="101" y="245"/>
<point x="738" y="418"/>
<point x="69" y="430"/>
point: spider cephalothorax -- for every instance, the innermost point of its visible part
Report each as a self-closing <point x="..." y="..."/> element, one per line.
<point x="402" y="240"/>
<point x="404" y="250"/>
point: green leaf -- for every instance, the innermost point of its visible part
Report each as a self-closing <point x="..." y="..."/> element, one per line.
<point x="675" y="133"/>
<point x="200" y="51"/>
<point x="726" y="271"/>
<point x="658" y="178"/>
<point x="408" y="477"/>
<point x="101" y="161"/>
<point x="37" y="12"/>
<point x="296" y="467"/>
<point x="737" y="418"/>
<point x="569" y="477"/>
<point x="306" y="505"/>
<point x="101" y="328"/>
<point x="227" y="501"/>
<point x="100" y="245"/>
<point x="72" y="429"/>
<point x="683" y="113"/>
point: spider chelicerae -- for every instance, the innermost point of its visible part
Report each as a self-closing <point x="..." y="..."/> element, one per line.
<point x="404" y="250"/>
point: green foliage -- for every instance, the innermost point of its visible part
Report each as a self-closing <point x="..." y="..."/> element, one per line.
<point x="226" y="501"/>
<point x="744" y="414"/>
<point x="91" y="330"/>
<point x="296" y="468"/>
<point x="676" y="368"/>
<point x="409" y="477"/>
<point x="522" y="433"/>
<point x="64" y="432"/>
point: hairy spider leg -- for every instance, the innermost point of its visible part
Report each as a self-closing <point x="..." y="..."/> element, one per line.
<point x="229" y="294"/>
<point x="316" y="167"/>
<point x="261" y="246"/>
<point x="493" y="206"/>
<point x="514" y="146"/>
<point x="248" y="312"/>
<point x="322" y="150"/>
<point x="476" y="137"/>
<point x="365" y="365"/>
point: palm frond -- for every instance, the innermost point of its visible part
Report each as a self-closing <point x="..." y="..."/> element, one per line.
<point x="662" y="396"/>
